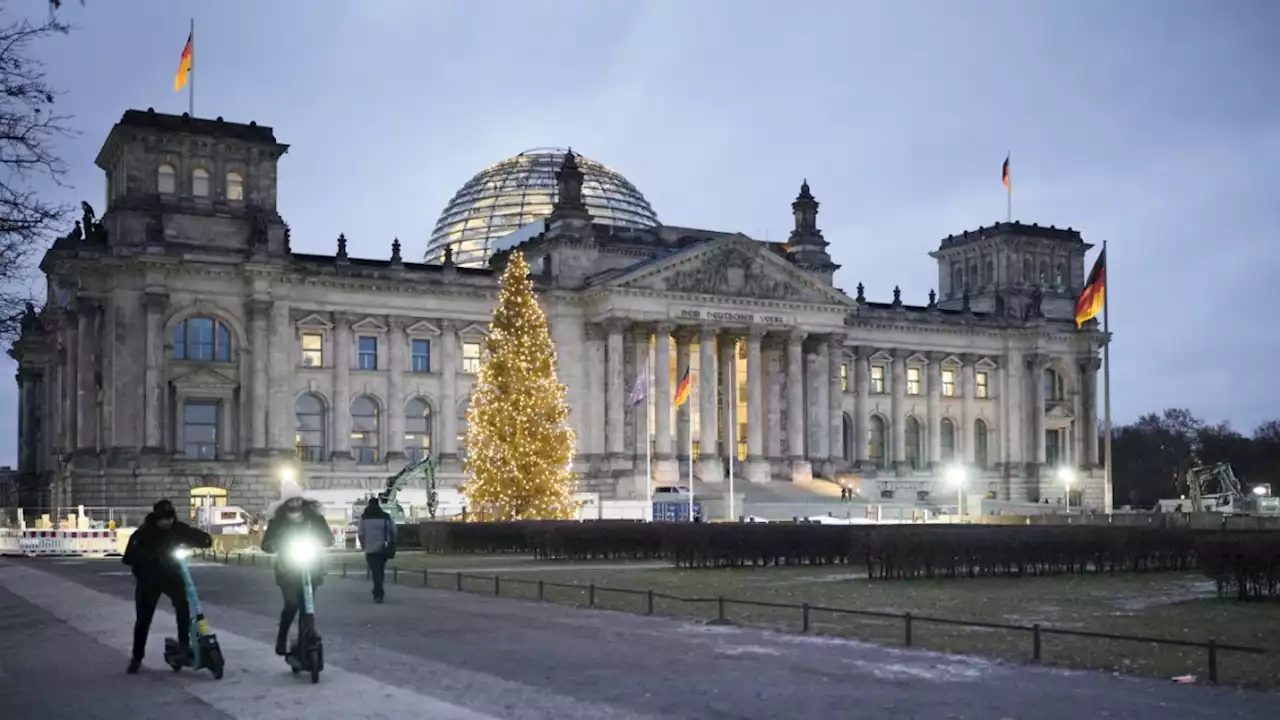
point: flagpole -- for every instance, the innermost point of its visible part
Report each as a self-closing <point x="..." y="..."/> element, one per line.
<point x="648" y="438"/>
<point x="733" y="425"/>
<point x="1106" y="378"/>
<point x="1008" y="186"/>
<point x="691" y="452"/>
<point x="191" y="74"/>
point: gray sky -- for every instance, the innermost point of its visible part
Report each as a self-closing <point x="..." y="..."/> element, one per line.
<point x="1153" y="124"/>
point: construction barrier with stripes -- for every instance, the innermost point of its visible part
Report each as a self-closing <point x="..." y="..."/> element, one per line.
<point x="61" y="543"/>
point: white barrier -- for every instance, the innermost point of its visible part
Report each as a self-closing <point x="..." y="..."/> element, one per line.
<point x="64" y="543"/>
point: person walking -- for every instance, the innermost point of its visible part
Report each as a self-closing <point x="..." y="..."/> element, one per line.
<point x="378" y="540"/>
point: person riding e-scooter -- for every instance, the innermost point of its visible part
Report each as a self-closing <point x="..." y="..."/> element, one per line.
<point x="296" y="518"/>
<point x="150" y="556"/>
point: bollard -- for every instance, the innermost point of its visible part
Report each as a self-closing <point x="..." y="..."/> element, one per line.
<point x="344" y="568"/>
<point x="1213" y="661"/>
<point x="426" y="579"/>
<point x="497" y="590"/>
<point x="591" y="595"/>
<point x="459" y="582"/>
<point x="541" y="594"/>
<point x="253" y="559"/>
<point x="395" y="576"/>
<point x="648" y="606"/>
<point x="1035" y="642"/>
<point x="804" y="618"/>
<point x="907" y="629"/>
<point x="240" y="558"/>
<point x="720" y="618"/>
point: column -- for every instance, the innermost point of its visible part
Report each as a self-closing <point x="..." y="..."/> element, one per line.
<point x="449" y="360"/>
<point x="395" y="389"/>
<point x="934" y="409"/>
<point x="862" y="385"/>
<point x="342" y="387"/>
<point x="155" y="304"/>
<point x="641" y="412"/>
<point x="614" y="392"/>
<point x="1091" y="367"/>
<point x="800" y="469"/>
<point x="710" y="469"/>
<point x="755" y="399"/>
<point x="899" y="389"/>
<point x="772" y="377"/>
<point x="968" y="409"/>
<point x="728" y="351"/>
<point x="684" y="414"/>
<point x="1038" y="364"/>
<point x="835" y="402"/>
<point x="88" y="353"/>
<point x="821" y="449"/>
<point x="662" y="398"/>
<point x="282" y="421"/>
<point x="1078" y="411"/>
<point x="1015" y="401"/>
<point x="259" y="312"/>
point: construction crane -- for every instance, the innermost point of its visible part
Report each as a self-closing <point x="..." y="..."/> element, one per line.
<point x="1231" y="497"/>
<point x="388" y="496"/>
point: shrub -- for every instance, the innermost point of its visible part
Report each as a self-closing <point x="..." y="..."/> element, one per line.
<point x="1243" y="563"/>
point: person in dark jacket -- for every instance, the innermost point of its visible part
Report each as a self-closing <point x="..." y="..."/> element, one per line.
<point x="149" y="555"/>
<point x="378" y="540"/>
<point x="295" y="519"/>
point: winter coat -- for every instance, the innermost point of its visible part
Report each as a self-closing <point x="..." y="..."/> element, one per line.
<point x="377" y="532"/>
<point x="281" y="531"/>
<point x="149" y="553"/>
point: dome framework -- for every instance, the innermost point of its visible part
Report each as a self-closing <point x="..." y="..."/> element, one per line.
<point x="508" y="195"/>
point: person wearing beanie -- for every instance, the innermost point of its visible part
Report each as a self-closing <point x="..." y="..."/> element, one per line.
<point x="294" y="518"/>
<point x="149" y="555"/>
<point x="378" y="540"/>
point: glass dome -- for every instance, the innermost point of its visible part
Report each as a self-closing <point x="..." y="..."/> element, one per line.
<point x="509" y="195"/>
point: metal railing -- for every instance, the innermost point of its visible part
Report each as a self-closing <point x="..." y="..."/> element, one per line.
<point x="493" y="584"/>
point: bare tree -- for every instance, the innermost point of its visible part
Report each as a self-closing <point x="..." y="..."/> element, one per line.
<point x="29" y="129"/>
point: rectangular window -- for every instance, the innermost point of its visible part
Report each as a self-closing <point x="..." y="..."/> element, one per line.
<point x="420" y="361"/>
<point x="877" y="379"/>
<point x="844" y="378"/>
<point x="981" y="390"/>
<point x="948" y="383"/>
<point x="200" y="429"/>
<point x="913" y="381"/>
<point x="471" y="357"/>
<point x="368" y="349"/>
<point x="312" y="350"/>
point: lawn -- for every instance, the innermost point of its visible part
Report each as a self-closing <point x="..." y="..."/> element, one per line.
<point x="1156" y="605"/>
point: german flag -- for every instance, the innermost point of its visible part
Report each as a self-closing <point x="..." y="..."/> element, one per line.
<point x="1004" y="173"/>
<point x="682" y="390"/>
<point x="184" y="65"/>
<point x="1094" y="295"/>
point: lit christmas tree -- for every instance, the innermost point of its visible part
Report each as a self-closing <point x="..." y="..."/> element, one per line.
<point x="519" y="443"/>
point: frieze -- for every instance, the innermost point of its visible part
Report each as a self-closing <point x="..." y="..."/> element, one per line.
<point x="734" y="272"/>
<point x="731" y="316"/>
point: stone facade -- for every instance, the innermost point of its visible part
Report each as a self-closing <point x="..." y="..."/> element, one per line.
<point x="184" y="346"/>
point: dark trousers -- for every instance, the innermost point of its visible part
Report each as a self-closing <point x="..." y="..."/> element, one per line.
<point x="145" y="597"/>
<point x="292" y="595"/>
<point x="377" y="563"/>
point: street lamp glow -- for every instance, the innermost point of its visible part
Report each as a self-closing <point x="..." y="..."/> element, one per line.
<point x="1259" y="490"/>
<point x="1067" y="476"/>
<point x="956" y="475"/>
<point x="287" y="474"/>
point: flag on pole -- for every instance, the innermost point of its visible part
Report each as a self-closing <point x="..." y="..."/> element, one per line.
<point x="682" y="390"/>
<point x="184" y="65"/>
<point x="1004" y="174"/>
<point x="641" y="389"/>
<point x="1094" y="295"/>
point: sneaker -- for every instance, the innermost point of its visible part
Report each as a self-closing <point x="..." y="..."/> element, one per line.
<point x="378" y="600"/>
<point x="134" y="665"/>
<point x="282" y="647"/>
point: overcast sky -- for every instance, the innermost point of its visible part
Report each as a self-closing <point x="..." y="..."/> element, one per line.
<point x="1153" y="124"/>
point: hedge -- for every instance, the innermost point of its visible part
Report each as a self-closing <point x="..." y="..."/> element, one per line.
<point x="1243" y="563"/>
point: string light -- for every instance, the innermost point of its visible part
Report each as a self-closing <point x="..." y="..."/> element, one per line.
<point x="519" y="443"/>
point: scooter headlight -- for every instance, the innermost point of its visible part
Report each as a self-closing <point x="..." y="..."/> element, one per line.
<point x="301" y="552"/>
<point x="182" y="553"/>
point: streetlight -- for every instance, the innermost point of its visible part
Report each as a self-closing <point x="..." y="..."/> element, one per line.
<point x="1260" y="490"/>
<point x="1067" y="476"/>
<point x="288" y="475"/>
<point x="956" y="476"/>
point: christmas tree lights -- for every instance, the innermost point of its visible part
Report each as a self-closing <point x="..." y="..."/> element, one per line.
<point x="519" y="443"/>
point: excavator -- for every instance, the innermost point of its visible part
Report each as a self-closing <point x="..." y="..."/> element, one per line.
<point x="1231" y="498"/>
<point x="388" y="497"/>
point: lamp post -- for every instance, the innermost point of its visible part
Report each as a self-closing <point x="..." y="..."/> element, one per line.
<point x="1067" y="476"/>
<point x="956" y="477"/>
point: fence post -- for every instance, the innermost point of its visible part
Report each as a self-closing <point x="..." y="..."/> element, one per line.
<point x="497" y="590"/>
<point x="426" y="578"/>
<point x="591" y="595"/>
<point x="1213" y="661"/>
<point x="804" y="618"/>
<point x="459" y="582"/>
<point x="1035" y="642"/>
<point x="239" y="558"/>
<point x="648" y="604"/>
<point x="720" y="616"/>
<point x="344" y="568"/>
<point x="253" y="559"/>
<point x="906" y="617"/>
<point x="395" y="575"/>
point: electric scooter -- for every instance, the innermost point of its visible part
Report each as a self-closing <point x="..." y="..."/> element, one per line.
<point x="307" y="652"/>
<point x="205" y="653"/>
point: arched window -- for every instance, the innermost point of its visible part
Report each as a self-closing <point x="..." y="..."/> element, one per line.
<point x="200" y="182"/>
<point x="876" y="442"/>
<point x="1027" y="271"/>
<point x="1044" y="273"/>
<point x="1053" y="390"/>
<point x="417" y="429"/>
<point x="166" y="180"/>
<point x="1059" y="275"/>
<point x="235" y="187"/>
<point x="913" y="443"/>
<point x="202" y="339"/>
<point x="310" y="434"/>
<point x="988" y="273"/>
<point x="980" y="444"/>
<point x="971" y="281"/>
<point x="948" y="431"/>
<point x="957" y="280"/>
<point x="364" y="430"/>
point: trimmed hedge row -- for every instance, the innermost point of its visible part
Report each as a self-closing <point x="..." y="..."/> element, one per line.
<point x="1245" y="564"/>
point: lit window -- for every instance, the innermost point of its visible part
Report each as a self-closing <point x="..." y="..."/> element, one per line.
<point x="877" y="379"/>
<point x="948" y="383"/>
<point x="982" y="390"/>
<point x="913" y="381"/>
<point x="312" y="350"/>
<point x="364" y="430"/>
<point x="417" y="430"/>
<point x="844" y="378"/>
<point x="368" y="357"/>
<point x="235" y="187"/>
<point x="471" y="357"/>
<point x="200" y="182"/>
<point x="201" y="339"/>
<point x="166" y="180"/>
<point x="420" y="357"/>
<point x="200" y="429"/>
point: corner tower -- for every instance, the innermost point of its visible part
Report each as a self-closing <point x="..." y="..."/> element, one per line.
<point x="806" y="247"/>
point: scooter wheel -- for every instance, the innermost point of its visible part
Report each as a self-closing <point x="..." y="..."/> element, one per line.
<point x="216" y="664"/>
<point x="314" y="663"/>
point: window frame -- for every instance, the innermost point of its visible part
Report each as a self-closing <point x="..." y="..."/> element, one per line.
<point x="222" y="339"/>
<point x="948" y="384"/>
<point x="876" y="377"/>
<point x="362" y="354"/>
<point x="228" y="185"/>
<point x="216" y="445"/>
<point x="877" y="459"/>
<point x="981" y="385"/>
<point x="416" y="452"/>
<point x="199" y="173"/>
<point x="413" y="356"/>
<point x="307" y="352"/>
<point x="915" y="385"/>
<point x="469" y="362"/>
<point x="375" y="447"/>
<point x="844" y="377"/>
<point x="322" y="431"/>
<point x="171" y="175"/>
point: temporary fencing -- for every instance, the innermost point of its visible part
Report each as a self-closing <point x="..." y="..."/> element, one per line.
<point x="60" y="543"/>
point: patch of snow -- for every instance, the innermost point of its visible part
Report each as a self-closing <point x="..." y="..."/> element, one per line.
<point x="1189" y="592"/>
<point x="732" y="650"/>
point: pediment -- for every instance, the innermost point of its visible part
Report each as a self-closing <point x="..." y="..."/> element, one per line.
<point x="737" y="267"/>
<point x="473" y="330"/>
<point x="1059" y="411"/>
<point x="881" y="356"/>
<point x="985" y="364"/>
<point x="951" y="362"/>
<point x="917" y="359"/>
<point x="314" y="321"/>
<point x="206" y="378"/>
<point x="369" y="324"/>
<point x="422" y="328"/>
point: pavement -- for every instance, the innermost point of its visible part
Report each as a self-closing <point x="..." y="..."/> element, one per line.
<point x="65" y="628"/>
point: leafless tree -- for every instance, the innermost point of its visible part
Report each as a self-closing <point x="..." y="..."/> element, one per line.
<point x="30" y="126"/>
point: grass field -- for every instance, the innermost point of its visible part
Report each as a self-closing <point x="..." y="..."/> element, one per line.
<point x="1166" y="606"/>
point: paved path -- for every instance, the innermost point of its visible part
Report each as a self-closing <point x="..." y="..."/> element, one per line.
<point x="65" y="627"/>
